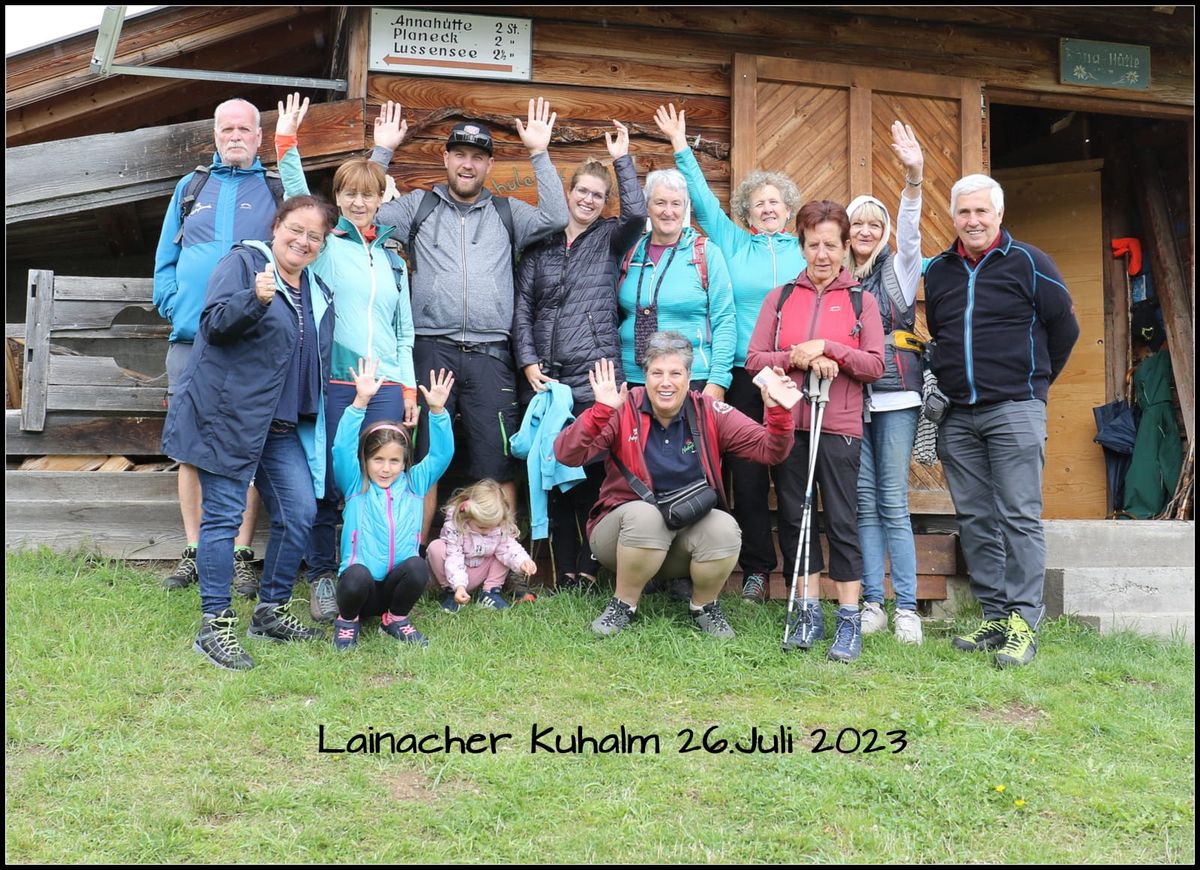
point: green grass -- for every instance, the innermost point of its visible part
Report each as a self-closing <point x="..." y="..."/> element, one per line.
<point x="123" y="745"/>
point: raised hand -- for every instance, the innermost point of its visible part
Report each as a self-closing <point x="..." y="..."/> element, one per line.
<point x="618" y="143"/>
<point x="390" y="126"/>
<point x="366" y="385"/>
<point x="603" y="380"/>
<point x="439" y="390"/>
<point x="291" y="115"/>
<point x="535" y="133"/>
<point x="264" y="285"/>
<point x="908" y="150"/>
<point x="673" y="125"/>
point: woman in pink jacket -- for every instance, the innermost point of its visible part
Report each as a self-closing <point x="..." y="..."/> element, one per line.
<point x="824" y="322"/>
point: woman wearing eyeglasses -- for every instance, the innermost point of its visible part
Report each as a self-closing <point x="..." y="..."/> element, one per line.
<point x="374" y="321"/>
<point x="566" y="320"/>
<point x="250" y="406"/>
<point x="661" y="512"/>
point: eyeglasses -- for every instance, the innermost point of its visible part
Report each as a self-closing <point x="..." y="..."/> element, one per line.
<point x="352" y="195"/>
<point x="317" y="239"/>
<point x="584" y="193"/>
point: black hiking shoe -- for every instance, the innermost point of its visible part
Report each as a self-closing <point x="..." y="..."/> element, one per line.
<point x="274" y="622"/>
<point x="185" y="573"/>
<point x="217" y="642"/>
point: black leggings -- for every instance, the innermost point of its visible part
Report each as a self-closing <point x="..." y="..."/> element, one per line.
<point x="568" y="523"/>
<point x="359" y="595"/>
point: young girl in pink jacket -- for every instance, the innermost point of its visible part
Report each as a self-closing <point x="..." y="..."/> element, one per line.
<point x="478" y="547"/>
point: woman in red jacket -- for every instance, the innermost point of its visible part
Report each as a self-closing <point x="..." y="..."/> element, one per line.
<point x="824" y="322"/>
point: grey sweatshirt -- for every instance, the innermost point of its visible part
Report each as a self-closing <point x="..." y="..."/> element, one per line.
<point x="463" y="285"/>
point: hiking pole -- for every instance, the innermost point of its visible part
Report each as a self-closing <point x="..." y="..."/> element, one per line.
<point x="816" y="391"/>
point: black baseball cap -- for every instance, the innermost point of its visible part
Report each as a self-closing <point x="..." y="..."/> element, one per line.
<point x="467" y="133"/>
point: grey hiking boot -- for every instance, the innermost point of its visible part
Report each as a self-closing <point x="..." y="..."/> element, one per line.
<point x="185" y="573"/>
<point x="274" y="622"/>
<point x="245" y="581"/>
<point x="616" y="616"/>
<point x="754" y="588"/>
<point x="217" y="642"/>
<point x="710" y="620"/>
<point x="322" y="603"/>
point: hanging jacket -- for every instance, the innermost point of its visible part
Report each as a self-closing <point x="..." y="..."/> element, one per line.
<point x="828" y="314"/>
<point x="222" y="410"/>
<point x="545" y="417"/>
<point x="757" y="262"/>
<point x="382" y="527"/>
<point x="233" y="205"/>
<point x="374" y="317"/>
<point x="1157" y="452"/>
<point x="566" y="310"/>
<point x="707" y="318"/>
<point x="723" y="429"/>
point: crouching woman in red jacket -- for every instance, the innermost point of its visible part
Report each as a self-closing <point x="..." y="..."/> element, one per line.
<point x="662" y="440"/>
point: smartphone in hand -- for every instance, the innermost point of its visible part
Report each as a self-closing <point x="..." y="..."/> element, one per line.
<point x="779" y="387"/>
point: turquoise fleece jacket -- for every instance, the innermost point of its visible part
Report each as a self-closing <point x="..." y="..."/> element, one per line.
<point x="371" y="300"/>
<point x="547" y="415"/>
<point x="757" y="263"/>
<point x="382" y="527"/>
<point x="707" y="318"/>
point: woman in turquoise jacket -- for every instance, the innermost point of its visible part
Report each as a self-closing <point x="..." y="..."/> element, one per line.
<point x="761" y="255"/>
<point x="673" y="279"/>
<point x="373" y="320"/>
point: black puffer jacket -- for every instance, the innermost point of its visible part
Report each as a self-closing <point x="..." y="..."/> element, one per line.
<point x="566" y="307"/>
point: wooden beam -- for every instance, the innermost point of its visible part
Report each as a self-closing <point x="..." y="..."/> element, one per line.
<point x="1170" y="285"/>
<point x="744" y="112"/>
<point x="357" y="46"/>
<point x="1011" y="96"/>
<point x="39" y="314"/>
<point x="48" y="179"/>
<point x="85" y="433"/>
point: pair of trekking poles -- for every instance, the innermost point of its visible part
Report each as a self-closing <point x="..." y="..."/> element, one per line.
<point x="816" y="393"/>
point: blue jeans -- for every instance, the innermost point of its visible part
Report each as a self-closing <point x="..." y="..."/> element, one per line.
<point x="884" y="527"/>
<point x="321" y="553"/>
<point x="284" y="481"/>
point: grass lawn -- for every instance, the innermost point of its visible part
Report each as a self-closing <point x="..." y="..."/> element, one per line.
<point x="123" y="745"/>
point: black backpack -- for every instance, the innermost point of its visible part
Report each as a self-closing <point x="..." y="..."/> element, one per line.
<point x="200" y="178"/>
<point x="429" y="201"/>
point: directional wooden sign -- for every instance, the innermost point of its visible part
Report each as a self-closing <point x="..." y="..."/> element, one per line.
<point x="438" y="43"/>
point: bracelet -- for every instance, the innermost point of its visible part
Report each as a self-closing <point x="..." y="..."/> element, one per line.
<point x="912" y="183"/>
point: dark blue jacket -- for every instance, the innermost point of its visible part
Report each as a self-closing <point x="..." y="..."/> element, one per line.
<point x="1004" y="329"/>
<point x="219" y="416"/>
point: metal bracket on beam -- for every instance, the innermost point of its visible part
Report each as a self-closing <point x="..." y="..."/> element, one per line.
<point x="106" y="49"/>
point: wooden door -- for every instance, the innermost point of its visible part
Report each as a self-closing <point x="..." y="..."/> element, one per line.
<point x="1057" y="208"/>
<point x="829" y="128"/>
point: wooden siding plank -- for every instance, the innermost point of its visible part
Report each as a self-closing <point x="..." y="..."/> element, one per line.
<point x="122" y="400"/>
<point x="94" y="486"/>
<point x="67" y="433"/>
<point x="39" y="314"/>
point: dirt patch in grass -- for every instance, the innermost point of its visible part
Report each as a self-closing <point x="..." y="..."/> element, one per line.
<point x="1014" y="713"/>
<point x="1134" y="681"/>
<point x="414" y="786"/>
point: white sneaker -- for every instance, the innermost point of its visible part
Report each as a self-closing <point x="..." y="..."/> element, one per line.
<point x="874" y="618"/>
<point x="908" y="627"/>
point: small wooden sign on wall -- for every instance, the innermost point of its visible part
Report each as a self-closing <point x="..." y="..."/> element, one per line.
<point x="423" y="42"/>
<point x="1104" y="64"/>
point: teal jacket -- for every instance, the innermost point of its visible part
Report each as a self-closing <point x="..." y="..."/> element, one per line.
<point x="546" y="416"/>
<point x="382" y="527"/>
<point x="370" y="291"/>
<point x="705" y="316"/>
<point x="757" y="263"/>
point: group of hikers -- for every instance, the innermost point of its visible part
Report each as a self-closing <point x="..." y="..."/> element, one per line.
<point x="630" y="361"/>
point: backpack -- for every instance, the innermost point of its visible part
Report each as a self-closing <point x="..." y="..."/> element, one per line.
<point x="855" y="303"/>
<point x="699" y="260"/>
<point x="200" y="178"/>
<point x="429" y="201"/>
